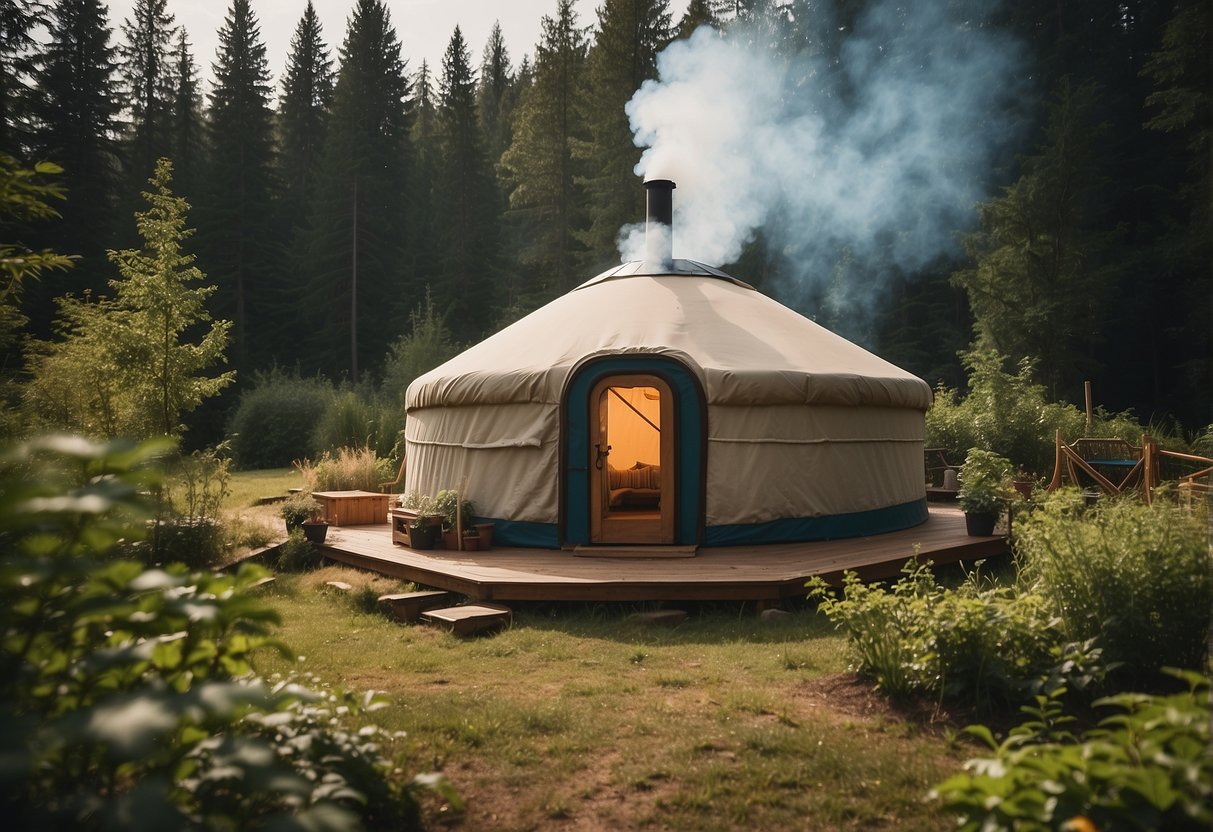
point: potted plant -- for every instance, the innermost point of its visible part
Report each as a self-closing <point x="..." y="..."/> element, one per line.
<point x="298" y="509"/>
<point x="985" y="485"/>
<point x="486" y="535"/>
<point x="315" y="529"/>
<point x="423" y="533"/>
<point x="455" y="512"/>
<point x="471" y="539"/>
<point x="1024" y="482"/>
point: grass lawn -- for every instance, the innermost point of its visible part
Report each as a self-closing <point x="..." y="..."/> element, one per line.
<point x="577" y="718"/>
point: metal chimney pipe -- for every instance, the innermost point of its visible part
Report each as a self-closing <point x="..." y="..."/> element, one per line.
<point x="659" y="222"/>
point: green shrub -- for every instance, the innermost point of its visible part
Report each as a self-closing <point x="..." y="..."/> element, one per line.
<point x="1134" y="577"/>
<point x="1146" y="767"/>
<point x="982" y="644"/>
<point x="985" y="482"/>
<point x="274" y="420"/>
<point x="297" y="554"/>
<point x="126" y="695"/>
<point x="188" y="527"/>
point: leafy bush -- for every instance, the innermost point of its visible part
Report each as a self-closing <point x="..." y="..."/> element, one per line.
<point x="297" y="554"/>
<point x="352" y="469"/>
<point x="985" y="482"/>
<point x="1135" y="577"/>
<point x="297" y="509"/>
<point x="275" y="418"/>
<point x="1146" y="767"/>
<point x="917" y="637"/>
<point x="127" y="693"/>
<point x="188" y="527"/>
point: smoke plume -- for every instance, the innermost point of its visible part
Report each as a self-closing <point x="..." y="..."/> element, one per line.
<point x="860" y="154"/>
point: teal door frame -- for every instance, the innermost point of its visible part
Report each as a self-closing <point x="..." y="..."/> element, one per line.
<point x="690" y="446"/>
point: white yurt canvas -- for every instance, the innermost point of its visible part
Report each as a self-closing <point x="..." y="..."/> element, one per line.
<point x="665" y="402"/>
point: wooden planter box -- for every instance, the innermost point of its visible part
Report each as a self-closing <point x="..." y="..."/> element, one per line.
<point x="353" y="508"/>
<point x="401" y="519"/>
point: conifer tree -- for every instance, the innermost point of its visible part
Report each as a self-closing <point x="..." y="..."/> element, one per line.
<point x="134" y="364"/>
<point x="303" y="111"/>
<point x="698" y="13"/>
<point x="539" y="165"/>
<point x="494" y="94"/>
<point x="358" y="235"/>
<point x="630" y="35"/>
<point x="188" y="127"/>
<point x="146" y="69"/>
<point x="18" y="21"/>
<point x="76" y="117"/>
<point x="424" y="137"/>
<point x="465" y="200"/>
<point x="236" y="228"/>
<point x="1042" y="277"/>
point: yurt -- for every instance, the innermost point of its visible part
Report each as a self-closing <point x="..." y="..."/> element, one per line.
<point x="666" y="403"/>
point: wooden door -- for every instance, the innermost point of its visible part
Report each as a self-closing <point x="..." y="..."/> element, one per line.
<point x="632" y="464"/>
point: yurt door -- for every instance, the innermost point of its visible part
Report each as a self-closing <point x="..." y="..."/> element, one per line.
<point x="632" y="443"/>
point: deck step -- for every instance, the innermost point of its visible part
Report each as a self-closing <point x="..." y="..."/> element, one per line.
<point x="634" y="551"/>
<point x="469" y="618"/>
<point x="408" y="606"/>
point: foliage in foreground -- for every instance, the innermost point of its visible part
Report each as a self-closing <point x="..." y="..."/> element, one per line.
<point x="126" y="695"/>
<point x="1136" y="578"/>
<point x="1145" y="767"/>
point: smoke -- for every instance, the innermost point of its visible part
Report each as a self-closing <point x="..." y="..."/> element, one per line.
<point x="859" y="154"/>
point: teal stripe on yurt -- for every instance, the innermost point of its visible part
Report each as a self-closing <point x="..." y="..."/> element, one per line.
<point x="797" y="529"/>
<point x="524" y="533"/>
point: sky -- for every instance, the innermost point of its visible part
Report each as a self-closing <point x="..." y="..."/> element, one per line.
<point x="423" y="26"/>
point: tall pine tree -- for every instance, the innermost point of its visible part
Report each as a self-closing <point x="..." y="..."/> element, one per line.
<point x="358" y="236"/>
<point x="236" y="220"/>
<point x="494" y="94"/>
<point x="303" y="112"/>
<point x="18" y="21"/>
<point x="630" y="34"/>
<point x="147" y="74"/>
<point x="465" y="201"/>
<point x="188" y="130"/>
<point x="75" y="114"/>
<point x="545" y="198"/>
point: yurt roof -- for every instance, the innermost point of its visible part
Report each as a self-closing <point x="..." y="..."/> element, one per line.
<point x="746" y="348"/>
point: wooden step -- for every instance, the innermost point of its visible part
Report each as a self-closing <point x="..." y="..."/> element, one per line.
<point x="469" y="618"/>
<point x="408" y="606"/>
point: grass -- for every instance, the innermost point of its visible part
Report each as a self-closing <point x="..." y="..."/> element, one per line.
<point x="577" y="716"/>
<point x="247" y="487"/>
<point x="248" y="525"/>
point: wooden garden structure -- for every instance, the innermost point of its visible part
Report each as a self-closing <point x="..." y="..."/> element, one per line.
<point x="1115" y="466"/>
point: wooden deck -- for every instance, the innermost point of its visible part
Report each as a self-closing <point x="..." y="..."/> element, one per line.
<point x="743" y="573"/>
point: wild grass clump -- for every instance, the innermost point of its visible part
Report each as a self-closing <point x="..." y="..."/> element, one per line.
<point x="980" y="644"/>
<point x="356" y="417"/>
<point x="350" y="469"/>
<point x="275" y="418"/>
<point x="1135" y="577"/>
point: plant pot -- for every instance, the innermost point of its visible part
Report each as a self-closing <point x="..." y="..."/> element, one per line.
<point x="315" y="532"/>
<point x="423" y="536"/>
<point x="486" y="535"/>
<point x="981" y="524"/>
<point x="450" y="540"/>
<point x="472" y="543"/>
<point x="1024" y="487"/>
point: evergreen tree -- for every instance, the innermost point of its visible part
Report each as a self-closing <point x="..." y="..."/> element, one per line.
<point x="1042" y="277"/>
<point x="188" y="128"/>
<point x="424" y="136"/>
<point x="465" y="200"/>
<point x="539" y="164"/>
<point x="146" y="69"/>
<point x="237" y="228"/>
<point x="358" y="236"/>
<point x="303" y="110"/>
<point x="18" y="21"/>
<point x="630" y="34"/>
<point x="76" y="117"/>
<point x="698" y="13"/>
<point x="494" y="94"/>
<point x="133" y="365"/>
